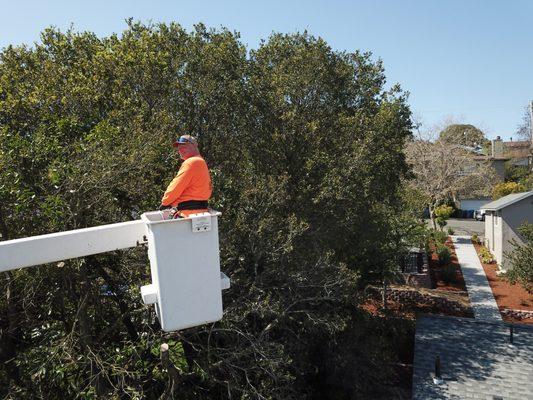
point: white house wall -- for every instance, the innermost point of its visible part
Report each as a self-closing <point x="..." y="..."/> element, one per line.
<point x="514" y="216"/>
<point x="493" y="234"/>
<point x="488" y="230"/>
<point x="497" y="223"/>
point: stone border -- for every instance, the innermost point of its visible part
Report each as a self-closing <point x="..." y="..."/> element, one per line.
<point x="518" y="314"/>
<point x="441" y="303"/>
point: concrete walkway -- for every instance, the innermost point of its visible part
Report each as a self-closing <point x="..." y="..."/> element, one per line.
<point x="479" y="292"/>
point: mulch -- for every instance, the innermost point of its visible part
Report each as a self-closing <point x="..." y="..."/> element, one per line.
<point x="435" y="271"/>
<point x="513" y="297"/>
<point x="409" y="310"/>
<point x="406" y="309"/>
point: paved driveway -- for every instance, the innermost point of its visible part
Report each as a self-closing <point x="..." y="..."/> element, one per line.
<point x="464" y="226"/>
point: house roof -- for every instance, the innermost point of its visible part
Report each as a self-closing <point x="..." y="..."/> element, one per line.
<point x="477" y="359"/>
<point x="506" y="201"/>
<point x="518" y="143"/>
<point x="519" y="149"/>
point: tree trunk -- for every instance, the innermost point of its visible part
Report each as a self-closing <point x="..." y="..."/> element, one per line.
<point x="173" y="373"/>
<point x="432" y="216"/>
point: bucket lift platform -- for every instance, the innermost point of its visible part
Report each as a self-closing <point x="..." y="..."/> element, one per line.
<point x="187" y="284"/>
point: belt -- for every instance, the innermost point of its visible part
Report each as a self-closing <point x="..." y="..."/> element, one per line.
<point x="192" y="205"/>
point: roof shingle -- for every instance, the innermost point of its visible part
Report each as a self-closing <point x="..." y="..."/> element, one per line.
<point x="477" y="359"/>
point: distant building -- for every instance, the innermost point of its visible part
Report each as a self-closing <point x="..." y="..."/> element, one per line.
<point x="518" y="152"/>
<point x="473" y="204"/>
<point x="502" y="219"/>
<point x="498" y="163"/>
<point x="496" y="159"/>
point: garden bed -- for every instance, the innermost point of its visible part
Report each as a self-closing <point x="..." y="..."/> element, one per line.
<point x="437" y="272"/>
<point x="448" y="295"/>
<point x="406" y="302"/>
<point x="513" y="297"/>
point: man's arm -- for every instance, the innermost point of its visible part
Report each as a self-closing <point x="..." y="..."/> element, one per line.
<point x="178" y="185"/>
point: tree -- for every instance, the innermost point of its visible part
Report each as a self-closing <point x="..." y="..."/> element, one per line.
<point x="463" y="134"/>
<point x="521" y="259"/>
<point x="505" y="188"/>
<point x="524" y="129"/>
<point x="516" y="173"/>
<point x="443" y="170"/>
<point x="443" y="212"/>
<point x="306" y="151"/>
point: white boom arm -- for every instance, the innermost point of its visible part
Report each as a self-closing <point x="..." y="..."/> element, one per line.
<point x="184" y="261"/>
<point x="26" y="252"/>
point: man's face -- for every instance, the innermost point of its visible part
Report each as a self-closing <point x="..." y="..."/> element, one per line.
<point x="186" y="150"/>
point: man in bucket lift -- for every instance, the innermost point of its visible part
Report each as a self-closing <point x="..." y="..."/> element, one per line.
<point x="190" y="190"/>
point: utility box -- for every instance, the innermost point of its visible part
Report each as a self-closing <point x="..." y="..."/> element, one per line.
<point x="184" y="259"/>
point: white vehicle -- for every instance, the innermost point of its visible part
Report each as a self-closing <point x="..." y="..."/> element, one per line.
<point x="479" y="215"/>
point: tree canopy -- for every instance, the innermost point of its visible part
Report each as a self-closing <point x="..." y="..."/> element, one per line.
<point x="444" y="170"/>
<point x="305" y="148"/>
<point x="463" y="134"/>
<point x="505" y="188"/>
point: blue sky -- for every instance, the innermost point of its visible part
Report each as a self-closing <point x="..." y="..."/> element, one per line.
<point x="470" y="59"/>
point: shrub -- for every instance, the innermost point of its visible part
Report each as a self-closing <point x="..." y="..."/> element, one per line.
<point x="444" y="254"/>
<point x="441" y="222"/>
<point x="439" y="237"/>
<point x="475" y="238"/>
<point x="521" y="259"/>
<point x="505" y="188"/>
<point x="442" y="213"/>
<point x="449" y="273"/>
<point x="450" y="231"/>
<point x="486" y="256"/>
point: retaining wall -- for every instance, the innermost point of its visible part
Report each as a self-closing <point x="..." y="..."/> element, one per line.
<point x="518" y="314"/>
<point x="440" y="303"/>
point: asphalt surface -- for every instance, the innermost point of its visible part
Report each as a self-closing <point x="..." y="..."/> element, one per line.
<point x="464" y="226"/>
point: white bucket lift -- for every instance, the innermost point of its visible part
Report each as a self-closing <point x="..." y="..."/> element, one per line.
<point x="185" y="265"/>
<point x="184" y="261"/>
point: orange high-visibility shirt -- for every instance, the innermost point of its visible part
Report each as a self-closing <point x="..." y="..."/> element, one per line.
<point x="192" y="182"/>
